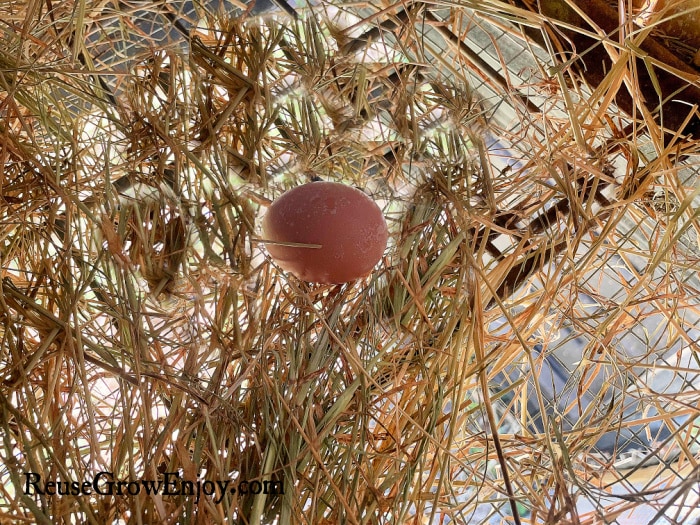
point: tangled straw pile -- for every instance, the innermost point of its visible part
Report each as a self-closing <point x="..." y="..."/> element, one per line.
<point x="144" y="331"/>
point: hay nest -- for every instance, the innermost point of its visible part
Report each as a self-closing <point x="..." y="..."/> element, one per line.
<point x="525" y="352"/>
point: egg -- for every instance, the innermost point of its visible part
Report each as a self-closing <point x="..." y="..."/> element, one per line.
<point x="342" y="230"/>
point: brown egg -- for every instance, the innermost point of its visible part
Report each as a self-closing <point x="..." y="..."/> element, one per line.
<point x="346" y="226"/>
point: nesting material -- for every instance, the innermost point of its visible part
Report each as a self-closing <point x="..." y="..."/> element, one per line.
<point x="525" y="352"/>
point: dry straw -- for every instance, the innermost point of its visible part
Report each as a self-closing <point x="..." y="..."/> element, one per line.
<point x="144" y="331"/>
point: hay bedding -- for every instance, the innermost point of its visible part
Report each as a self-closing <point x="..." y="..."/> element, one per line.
<point x="145" y="331"/>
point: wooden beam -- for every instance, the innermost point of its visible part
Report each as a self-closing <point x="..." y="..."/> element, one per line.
<point x="678" y="83"/>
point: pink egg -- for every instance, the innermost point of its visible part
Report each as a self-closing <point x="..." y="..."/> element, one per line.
<point x="346" y="226"/>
